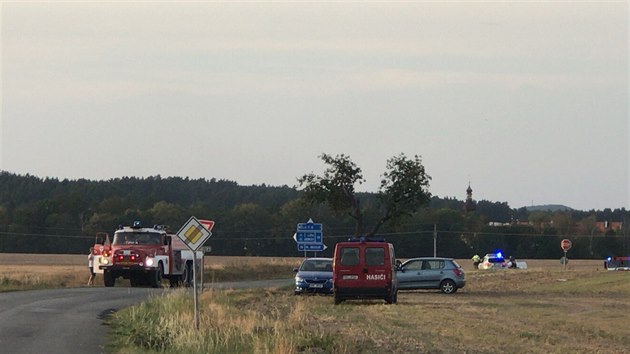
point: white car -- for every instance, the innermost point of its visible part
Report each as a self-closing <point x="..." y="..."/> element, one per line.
<point x="493" y="261"/>
<point x="497" y="261"/>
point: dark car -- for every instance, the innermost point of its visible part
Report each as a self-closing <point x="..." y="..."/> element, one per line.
<point x="314" y="276"/>
<point x="431" y="273"/>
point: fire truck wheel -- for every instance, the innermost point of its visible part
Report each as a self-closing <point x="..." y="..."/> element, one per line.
<point x="108" y="279"/>
<point x="133" y="281"/>
<point x="156" y="277"/>
<point x="175" y="281"/>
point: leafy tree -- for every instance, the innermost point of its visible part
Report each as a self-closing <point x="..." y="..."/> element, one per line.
<point x="402" y="191"/>
<point x="495" y="211"/>
<point x="539" y="219"/>
<point x="563" y="222"/>
<point x="166" y="214"/>
<point x="62" y="216"/>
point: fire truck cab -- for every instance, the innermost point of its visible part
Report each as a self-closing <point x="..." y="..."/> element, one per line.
<point x="145" y="256"/>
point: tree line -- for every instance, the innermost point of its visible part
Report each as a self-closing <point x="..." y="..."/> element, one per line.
<point x="48" y="215"/>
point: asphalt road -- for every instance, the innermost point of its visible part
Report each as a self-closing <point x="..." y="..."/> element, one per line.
<point x="61" y="320"/>
<point x="71" y="320"/>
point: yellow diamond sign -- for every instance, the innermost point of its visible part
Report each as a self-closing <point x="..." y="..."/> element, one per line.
<point x="193" y="233"/>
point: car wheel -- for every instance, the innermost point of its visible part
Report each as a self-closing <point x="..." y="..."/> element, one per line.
<point x="448" y="286"/>
<point x="338" y="299"/>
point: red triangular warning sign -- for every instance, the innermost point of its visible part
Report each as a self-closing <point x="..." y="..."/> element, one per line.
<point x="208" y="224"/>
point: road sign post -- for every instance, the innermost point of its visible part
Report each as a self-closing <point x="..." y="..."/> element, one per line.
<point x="194" y="233"/>
<point x="566" y="246"/>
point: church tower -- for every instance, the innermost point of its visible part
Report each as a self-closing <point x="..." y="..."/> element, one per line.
<point x="469" y="204"/>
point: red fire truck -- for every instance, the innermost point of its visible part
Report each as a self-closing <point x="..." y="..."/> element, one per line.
<point x="145" y="256"/>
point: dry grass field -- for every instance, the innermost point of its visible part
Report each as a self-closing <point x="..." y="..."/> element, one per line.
<point x="220" y="262"/>
<point x="36" y="271"/>
<point x="32" y="271"/>
<point x="544" y="309"/>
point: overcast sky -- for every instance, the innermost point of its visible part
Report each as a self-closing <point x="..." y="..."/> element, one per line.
<point x="526" y="100"/>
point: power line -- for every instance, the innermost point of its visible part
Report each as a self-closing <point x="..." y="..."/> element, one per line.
<point x="5" y="234"/>
<point x="341" y="236"/>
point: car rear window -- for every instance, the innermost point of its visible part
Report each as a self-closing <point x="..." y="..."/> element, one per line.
<point x="374" y="256"/>
<point x="349" y="256"/>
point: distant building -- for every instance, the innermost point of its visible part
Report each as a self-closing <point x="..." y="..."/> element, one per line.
<point x="496" y="223"/>
<point x="605" y="226"/>
<point x="469" y="204"/>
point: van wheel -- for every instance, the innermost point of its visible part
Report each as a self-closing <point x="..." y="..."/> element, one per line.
<point x="392" y="298"/>
<point x="448" y="286"/>
<point x="338" y="299"/>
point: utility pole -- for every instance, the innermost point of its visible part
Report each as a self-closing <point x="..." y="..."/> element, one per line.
<point x="434" y="240"/>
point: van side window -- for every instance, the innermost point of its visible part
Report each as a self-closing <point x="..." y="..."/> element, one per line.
<point x="374" y="256"/>
<point x="349" y="256"/>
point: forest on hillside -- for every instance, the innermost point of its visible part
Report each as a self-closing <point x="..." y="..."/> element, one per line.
<point x="63" y="216"/>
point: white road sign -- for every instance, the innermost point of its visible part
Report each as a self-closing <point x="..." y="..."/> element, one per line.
<point x="193" y="233"/>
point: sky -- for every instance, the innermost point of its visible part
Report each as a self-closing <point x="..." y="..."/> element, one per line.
<point x="526" y="101"/>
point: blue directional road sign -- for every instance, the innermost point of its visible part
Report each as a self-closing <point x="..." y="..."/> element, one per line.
<point x="309" y="236"/>
<point x="309" y="232"/>
<point x="309" y="226"/>
<point x="316" y="247"/>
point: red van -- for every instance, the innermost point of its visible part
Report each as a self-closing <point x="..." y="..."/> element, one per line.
<point x="365" y="269"/>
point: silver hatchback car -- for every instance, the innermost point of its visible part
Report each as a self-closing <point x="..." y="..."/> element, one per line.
<point x="431" y="273"/>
